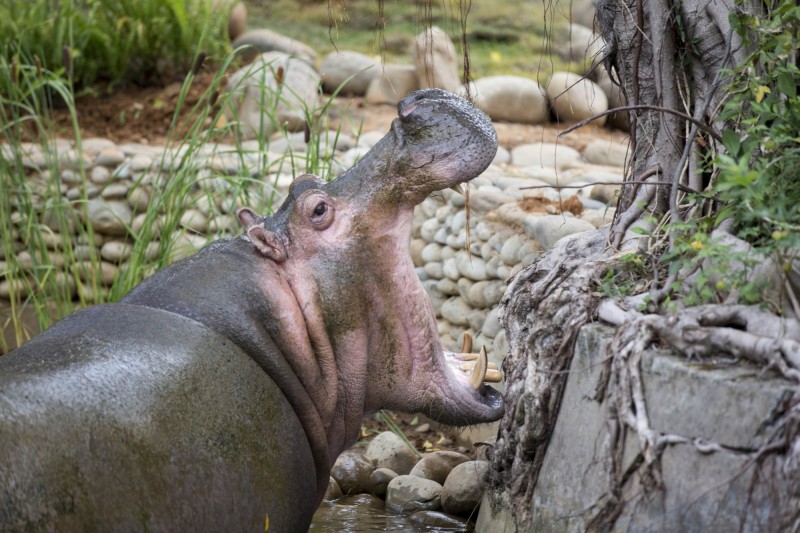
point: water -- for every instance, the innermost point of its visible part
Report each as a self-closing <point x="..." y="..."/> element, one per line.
<point x="365" y="514"/>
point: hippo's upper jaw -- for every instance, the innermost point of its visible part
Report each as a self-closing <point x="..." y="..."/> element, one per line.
<point x="369" y="337"/>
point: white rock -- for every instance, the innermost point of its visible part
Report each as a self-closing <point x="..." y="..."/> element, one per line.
<point x="510" y="99"/>
<point x="606" y="152"/>
<point x="550" y="228"/>
<point x="257" y="83"/>
<point x="436" y="60"/>
<point x="574" y="98"/>
<point x="406" y="494"/>
<point x="387" y="450"/>
<point x="544" y="155"/>
<point x="264" y="40"/>
<point x="392" y="84"/>
<point x="471" y="267"/>
<point x="348" y="72"/>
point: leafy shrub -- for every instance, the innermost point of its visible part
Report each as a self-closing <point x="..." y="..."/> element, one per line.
<point x="113" y="40"/>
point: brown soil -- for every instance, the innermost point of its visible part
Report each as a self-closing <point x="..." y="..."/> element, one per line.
<point x="541" y="205"/>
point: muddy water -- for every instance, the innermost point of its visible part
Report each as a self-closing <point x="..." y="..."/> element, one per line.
<point x="362" y="515"/>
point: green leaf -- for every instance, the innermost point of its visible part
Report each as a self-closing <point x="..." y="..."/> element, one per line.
<point x="787" y="84"/>
<point x="731" y="141"/>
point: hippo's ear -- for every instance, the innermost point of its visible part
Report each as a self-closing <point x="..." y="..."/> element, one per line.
<point x="247" y="217"/>
<point x="267" y="243"/>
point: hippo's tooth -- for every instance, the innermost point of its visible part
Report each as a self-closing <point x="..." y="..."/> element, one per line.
<point x="468" y="366"/>
<point x="467" y="346"/>
<point x="478" y="375"/>
<point x="493" y="376"/>
<point x="460" y="190"/>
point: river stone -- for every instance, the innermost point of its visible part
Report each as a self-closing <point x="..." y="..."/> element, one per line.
<point x="436" y="60"/>
<point x="116" y="251"/>
<point x="333" y="492"/>
<point x="502" y="156"/>
<point x="494" y="291"/>
<point x="434" y="270"/>
<point x="194" y="220"/>
<point x="544" y="155"/>
<point x="415" y="248"/>
<point x="115" y="191"/>
<point x="352" y="472"/>
<point x="491" y="326"/>
<point x="580" y="45"/>
<point x="487" y="198"/>
<point x="548" y="229"/>
<point x="387" y="450"/>
<point x="436" y="466"/>
<point x="411" y="493"/>
<point x="606" y="152"/>
<point x="447" y="287"/>
<point x="139" y="198"/>
<point x="464" y="285"/>
<point x="435" y="520"/>
<point x="598" y="217"/>
<point x="432" y="252"/>
<point x="255" y="83"/>
<point x="607" y="194"/>
<point x="109" y="217"/>
<point x="471" y="267"/>
<point x="464" y="487"/>
<point x="616" y="99"/>
<point x="99" y="175"/>
<point x="348" y="72"/>
<point x="87" y="270"/>
<point x="237" y="21"/>
<point x="391" y="84"/>
<point x="380" y="479"/>
<point x="450" y="269"/>
<point x="574" y="98"/>
<point x="140" y="162"/>
<point x="456" y="311"/>
<point x="510" y="99"/>
<point x="264" y="40"/>
<point x="96" y="145"/>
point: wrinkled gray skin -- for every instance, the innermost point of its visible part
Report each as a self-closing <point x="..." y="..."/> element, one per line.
<point x="218" y="393"/>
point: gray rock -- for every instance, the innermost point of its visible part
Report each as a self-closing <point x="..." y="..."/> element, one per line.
<point x="110" y="157"/>
<point x="436" y="60"/>
<point x="109" y="217"/>
<point x="436" y="466"/>
<point x="256" y="84"/>
<point x="598" y="217"/>
<point x="392" y="84"/>
<point x="491" y="326"/>
<point x="387" y="450"/>
<point x="606" y="194"/>
<point x="194" y="220"/>
<point x="434" y="270"/>
<point x="447" y="287"/>
<point x="100" y="175"/>
<point x="435" y="520"/>
<point x="371" y="138"/>
<point x="456" y="311"/>
<point x="544" y="155"/>
<point x="583" y="46"/>
<point x="573" y="98"/>
<point x="116" y="251"/>
<point x="333" y="492"/>
<point x="606" y="152"/>
<point x="264" y="40"/>
<point x="415" y="248"/>
<point x="348" y="72"/>
<point x="502" y="156"/>
<point x="105" y="272"/>
<point x="411" y="493"/>
<point x="116" y="191"/>
<point x="616" y="99"/>
<point x="380" y="480"/>
<point x="487" y="198"/>
<point x="432" y="252"/>
<point x="237" y="21"/>
<point x="352" y="472"/>
<point x="140" y="162"/>
<point x="94" y="145"/>
<point x="510" y="250"/>
<point x="548" y="229"/>
<point x="470" y="266"/>
<point x="510" y="99"/>
<point x="464" y="488"/>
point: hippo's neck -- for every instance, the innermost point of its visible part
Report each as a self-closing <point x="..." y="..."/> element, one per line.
<point x="220" y="288"/>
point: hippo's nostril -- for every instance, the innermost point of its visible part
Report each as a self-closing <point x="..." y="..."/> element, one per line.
<point x="408" y="110"/>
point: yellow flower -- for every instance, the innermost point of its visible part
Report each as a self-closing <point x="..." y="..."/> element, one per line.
<point x="697" y="245"/>
<point x="495" y="57"/>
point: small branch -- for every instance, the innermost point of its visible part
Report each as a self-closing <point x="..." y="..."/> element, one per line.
<point x="684" y="116"/>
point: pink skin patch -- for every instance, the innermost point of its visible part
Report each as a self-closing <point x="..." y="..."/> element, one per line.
<point x="408" y="110"/>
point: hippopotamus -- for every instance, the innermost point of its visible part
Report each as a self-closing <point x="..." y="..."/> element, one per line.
<point x="216" y="395"/>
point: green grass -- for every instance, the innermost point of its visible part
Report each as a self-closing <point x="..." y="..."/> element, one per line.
<point x="142" y="41"/>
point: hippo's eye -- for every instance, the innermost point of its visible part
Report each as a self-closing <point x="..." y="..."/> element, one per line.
<point x="321" y="209"/>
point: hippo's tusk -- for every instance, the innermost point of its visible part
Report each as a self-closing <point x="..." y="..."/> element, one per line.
<point x="460" y="190"/>
<point x="476" y="379"/>
<point x="467" y="346"/>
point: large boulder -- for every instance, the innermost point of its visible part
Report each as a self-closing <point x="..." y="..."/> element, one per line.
<point x="574" y="98"/>
<point x="275" y="91"/>
<point x="349" y="72"/>
<point x="436" y="60"/>
<point x="510" y="99"/>
<point x="392" y="84"/>
<point x="264" y="40"/>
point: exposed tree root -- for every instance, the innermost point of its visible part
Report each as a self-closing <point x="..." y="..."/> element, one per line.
<point x="742" y="331"/>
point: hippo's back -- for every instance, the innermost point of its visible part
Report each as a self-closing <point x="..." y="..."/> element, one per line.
<point x="122" y="417"/>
